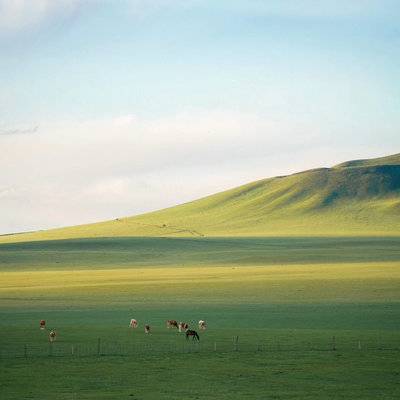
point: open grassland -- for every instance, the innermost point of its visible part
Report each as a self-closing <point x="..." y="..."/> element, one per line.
<point x="238" y="376"/>
<point x="135" y="252"/>
<point x="316" y="318"/>
<point x="273" y="375"/>
<point x="376" y="282"/>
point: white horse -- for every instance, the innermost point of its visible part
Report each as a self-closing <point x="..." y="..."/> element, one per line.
<point x="202" y="325"/>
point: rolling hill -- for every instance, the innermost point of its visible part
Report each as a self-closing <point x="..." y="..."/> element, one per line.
<point x="359" y="197"/>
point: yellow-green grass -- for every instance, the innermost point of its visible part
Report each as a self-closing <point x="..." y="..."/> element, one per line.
<point x="284" y="315"/>
<point x="393" y="159"/>
<point x="347" y="282"/>
<point x="343" y="299"/>
<point x="285" y="298"/>
<point x="132" y="252"/>
<point x="358" y="198"/>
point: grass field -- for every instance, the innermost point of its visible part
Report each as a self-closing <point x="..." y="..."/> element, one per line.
<point x="135" y="252"/>
<point x="285" y="298"/>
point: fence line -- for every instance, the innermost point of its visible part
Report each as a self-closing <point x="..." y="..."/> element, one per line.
<point x="101" y="348"/>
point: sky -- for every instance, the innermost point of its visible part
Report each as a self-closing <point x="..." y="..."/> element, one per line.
<point x="115" y="108"/>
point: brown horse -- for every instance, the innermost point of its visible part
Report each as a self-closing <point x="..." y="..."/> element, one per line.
<point x="193" y="334"/>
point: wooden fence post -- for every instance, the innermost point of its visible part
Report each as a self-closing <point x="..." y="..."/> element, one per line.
<point x="235" y="342"/>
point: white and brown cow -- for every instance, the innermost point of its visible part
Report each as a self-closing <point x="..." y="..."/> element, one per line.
<point x="52" y="336"/>
<point x="171" y="323"/>
<point x="42" y="324"/>
<point x="133" y="324"/>
<point x="183" y="327"/>
<point x="202" y="325"/>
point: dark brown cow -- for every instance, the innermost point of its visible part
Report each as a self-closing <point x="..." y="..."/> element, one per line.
<point x="42" y="324"/>
<point x="147" y="329"/>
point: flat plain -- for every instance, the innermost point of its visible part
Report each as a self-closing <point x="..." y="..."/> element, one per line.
<point x="287" y="318"/>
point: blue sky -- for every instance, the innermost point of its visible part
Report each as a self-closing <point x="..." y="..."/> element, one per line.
<point x="111" y="108"/>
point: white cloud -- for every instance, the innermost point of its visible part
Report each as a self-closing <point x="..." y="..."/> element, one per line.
<point x="19" y="15"/>
<point x="142" y="8"/>
<point x="76" y="172"/>
<point x="318" y="8"/>
<point x="21" y="130"/>
<point x="16" y="15"/>
<point x="124" y="120"/>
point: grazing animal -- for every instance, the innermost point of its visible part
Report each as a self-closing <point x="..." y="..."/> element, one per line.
<point x="42" y="324"/>
<point x="52" y="335"/>
<point x="147" y="329"/>
<point x="193" y="334"/>
<point x="183" y="327"/>
<point x="133" y="324"/>
<point x="171" y="323"/>
<point x="202" y="325"/>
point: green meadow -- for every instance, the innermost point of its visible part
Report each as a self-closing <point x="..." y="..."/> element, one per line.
<point x="297" y="277"/>
<point x="314" y="318"/>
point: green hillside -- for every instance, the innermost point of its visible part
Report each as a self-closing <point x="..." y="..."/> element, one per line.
<point x="388" y="160"/>
<point x="360" y="197"/>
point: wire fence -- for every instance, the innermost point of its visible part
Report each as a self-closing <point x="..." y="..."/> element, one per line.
<point x="101" y="348"/>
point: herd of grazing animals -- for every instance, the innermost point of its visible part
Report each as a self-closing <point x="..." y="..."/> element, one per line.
<point x="171" y="323"/>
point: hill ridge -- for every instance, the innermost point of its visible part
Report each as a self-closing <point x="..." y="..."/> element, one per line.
<point x="359" y="197"/>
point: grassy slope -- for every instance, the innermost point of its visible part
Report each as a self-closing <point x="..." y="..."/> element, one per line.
<point x="393" y="159"/>
<point x="356" y="198"/>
